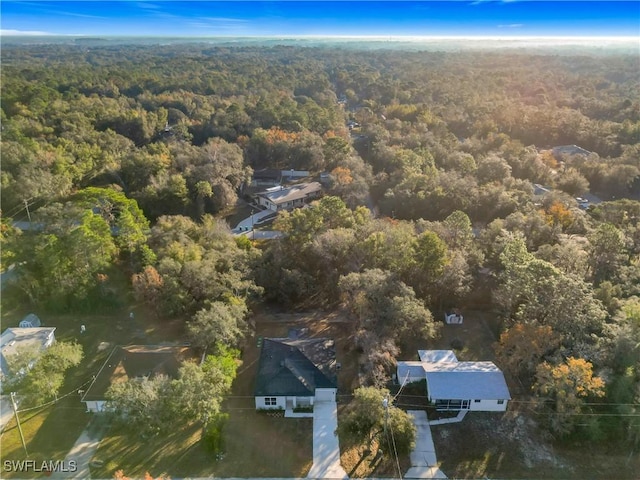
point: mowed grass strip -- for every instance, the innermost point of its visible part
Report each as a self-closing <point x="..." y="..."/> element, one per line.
<point x="256" y="445"/>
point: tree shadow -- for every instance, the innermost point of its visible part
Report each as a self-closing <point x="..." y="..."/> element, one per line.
<point x="364" y="454"/>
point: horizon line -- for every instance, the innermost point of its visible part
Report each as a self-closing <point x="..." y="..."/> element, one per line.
<point x="346" y="37"/>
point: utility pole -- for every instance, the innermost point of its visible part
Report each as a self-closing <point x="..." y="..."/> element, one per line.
<point x="385" y="404"/>
<point x="26" y="205"/>
<point x="15" y="411"/>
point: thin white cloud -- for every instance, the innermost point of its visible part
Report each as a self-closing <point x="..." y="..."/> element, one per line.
<point x="511" y="25"/>
<point x="74" y="14"/>
<point x="225" y="19"/>
<point x="22" y="32"/>
<point x="150" y="6"/>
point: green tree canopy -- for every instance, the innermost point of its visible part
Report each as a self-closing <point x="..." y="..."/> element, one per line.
<point x="367" y="420"/>
<point x="44" y="381"/>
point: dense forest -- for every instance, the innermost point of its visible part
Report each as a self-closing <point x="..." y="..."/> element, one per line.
<point x="128" y="157"/>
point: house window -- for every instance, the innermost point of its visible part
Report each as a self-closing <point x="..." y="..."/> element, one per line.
<point x="477" y="401"/>
<point x="270" y="401"/>
<point x="500" y="402"/>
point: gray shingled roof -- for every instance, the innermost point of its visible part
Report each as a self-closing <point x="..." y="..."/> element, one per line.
<point x="295" y="367"/>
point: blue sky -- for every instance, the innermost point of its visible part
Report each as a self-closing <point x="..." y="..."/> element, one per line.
<point x="291" y="18"/>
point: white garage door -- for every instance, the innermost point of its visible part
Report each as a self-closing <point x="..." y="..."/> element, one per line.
<point x="325" y="395"/>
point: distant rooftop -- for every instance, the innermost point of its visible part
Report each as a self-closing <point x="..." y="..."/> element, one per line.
<point x="279" y="195"/>
<point x="569" y="150"/>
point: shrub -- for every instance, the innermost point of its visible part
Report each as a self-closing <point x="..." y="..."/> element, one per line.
<point x="214" y="434"/>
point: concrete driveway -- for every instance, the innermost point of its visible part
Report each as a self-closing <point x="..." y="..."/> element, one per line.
<point x="254" y="219"/>
<point x="77" y="460"/>
<point x="326" y="450"/>
<point x="424" y="463"/>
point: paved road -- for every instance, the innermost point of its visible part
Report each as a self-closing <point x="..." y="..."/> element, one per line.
<point x="424" y="463"/>
<point x="6" y="412"/>
<point x="326" y="450"/>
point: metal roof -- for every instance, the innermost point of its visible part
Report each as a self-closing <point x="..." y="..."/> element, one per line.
<point x="278" y="195"/>
<point x="409" y="370"/>
<point x="437" y="356"/>
<point x="466" y="381"/>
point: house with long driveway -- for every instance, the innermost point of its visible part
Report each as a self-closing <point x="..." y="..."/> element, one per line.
<point x="295" y="373"/>
<point x="455" y="386"/>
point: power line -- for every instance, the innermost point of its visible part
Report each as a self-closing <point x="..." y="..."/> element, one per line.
<point x="401" y="387"/>
<point x="56" y="400"/>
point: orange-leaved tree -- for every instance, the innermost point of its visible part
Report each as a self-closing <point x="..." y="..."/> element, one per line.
<point x="567" y="385"/>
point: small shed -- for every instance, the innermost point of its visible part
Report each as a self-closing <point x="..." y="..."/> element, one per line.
<point x="453" y="317"/>
<point x="30" y="321"/>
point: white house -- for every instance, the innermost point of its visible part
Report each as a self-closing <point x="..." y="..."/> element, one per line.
<point x="454" y="385"/>
<point x="134" y="361"/>
<point x="295" y="373"/>
<point x="288" y="198"/>
<point x="17" y="340"/>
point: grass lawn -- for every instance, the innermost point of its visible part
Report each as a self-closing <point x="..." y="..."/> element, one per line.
<point x="475" y="335"/>
<point x="255" y="445"/>
<point x="49" y="433"/>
